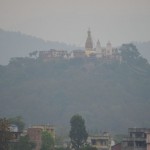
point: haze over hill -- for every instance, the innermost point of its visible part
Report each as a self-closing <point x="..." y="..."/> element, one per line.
<point x="68" y="20"/>
<point x="110" y="95"/>
<point x="16" y="44"/>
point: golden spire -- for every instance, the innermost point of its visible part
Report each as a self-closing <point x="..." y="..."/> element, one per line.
<point x="89" y="43"/>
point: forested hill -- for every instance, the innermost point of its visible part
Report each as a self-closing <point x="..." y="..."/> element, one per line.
<point x="16" y="44"/>
<point x="111" y="96"/>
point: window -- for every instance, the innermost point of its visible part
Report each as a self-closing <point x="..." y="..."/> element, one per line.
<point x="93" y="142"/>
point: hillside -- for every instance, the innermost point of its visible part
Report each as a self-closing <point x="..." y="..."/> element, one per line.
<point x="16" y="44"/>
<point x="111" y="96"/>
<point x="144" y="48"/>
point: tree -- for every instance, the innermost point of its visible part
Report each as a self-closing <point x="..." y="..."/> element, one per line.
<point x="24" y="143"/>
<point x="131" y="56"/>
<point x="5" y="134"/>
<point x="18" y="121"/>
<point x="47" y="141"/>
<point x="129" y="53"/>
<point x="78" y="133"/>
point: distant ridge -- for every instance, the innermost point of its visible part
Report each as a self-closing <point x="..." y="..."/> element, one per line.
<point x="17" y="44"/>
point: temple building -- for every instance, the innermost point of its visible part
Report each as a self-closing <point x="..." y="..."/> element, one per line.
<point x="89" y="45"/>
<point x="107" y="52"/>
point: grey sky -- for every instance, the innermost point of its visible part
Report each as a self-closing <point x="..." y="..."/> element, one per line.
<point x="67" y="21"/>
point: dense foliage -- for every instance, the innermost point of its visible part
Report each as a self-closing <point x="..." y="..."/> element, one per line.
<point x="78" y="133"/>
<point x="47" y="141"/>
<point x="110" y="95"/>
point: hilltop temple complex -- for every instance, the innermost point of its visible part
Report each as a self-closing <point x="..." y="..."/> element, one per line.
<point x="108" y="52"/>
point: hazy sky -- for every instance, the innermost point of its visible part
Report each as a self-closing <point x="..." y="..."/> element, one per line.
<point x="67" y="21"/>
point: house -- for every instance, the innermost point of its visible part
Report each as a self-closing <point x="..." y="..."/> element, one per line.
<point x="101" y="142"/>
<point x="52" y="53"/>
<point x="15" y="134"/>
<point x="116" y="146"/>
<point x="35" y="133"/>
<point x="148" y="140"/>
<point x="137" y="139"/>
